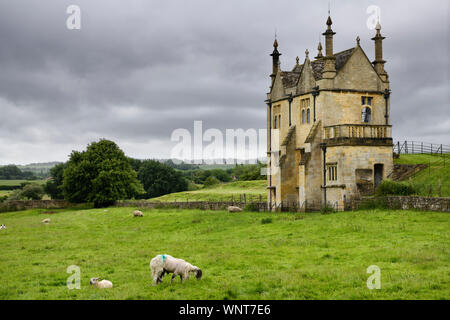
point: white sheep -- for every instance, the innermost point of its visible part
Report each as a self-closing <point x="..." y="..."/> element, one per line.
<point x="164" y="263"/>
<point x="234" y="209"/>
<point x="103" y="284"/>
<point x="2" y="227"/>
<point x="138" y="213"/>
<point x="47" y="220"/>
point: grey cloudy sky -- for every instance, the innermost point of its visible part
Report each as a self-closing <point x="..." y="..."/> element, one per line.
<point x="137" y="70"/>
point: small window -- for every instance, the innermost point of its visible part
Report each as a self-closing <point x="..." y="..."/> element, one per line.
<point x="303" y="116"/>
<point x="366" y="115"/>
<point x="275" y="122"/>
<point x="366" y="101"/>
<point x="279" y="121"/>
<point x="308" y="115"/>
<point x="332" y="172"/>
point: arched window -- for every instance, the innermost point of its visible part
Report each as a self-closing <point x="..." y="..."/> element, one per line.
<point x="303" y="116"/>
<point x="366" y="115"/>
<point x="308" y="115"/>
<point x="279" y="121"/>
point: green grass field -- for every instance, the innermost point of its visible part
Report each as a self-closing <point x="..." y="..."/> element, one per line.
<point x="222" y="192"/>
<point x="296" y="256"/>
<point x="18" y="182"/>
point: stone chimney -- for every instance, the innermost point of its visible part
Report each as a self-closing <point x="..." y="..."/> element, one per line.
<point x="378" y="63"/>
<point x="329" y="70"/>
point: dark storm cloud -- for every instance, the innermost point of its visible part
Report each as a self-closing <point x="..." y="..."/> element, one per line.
<point x="137" y="70"/>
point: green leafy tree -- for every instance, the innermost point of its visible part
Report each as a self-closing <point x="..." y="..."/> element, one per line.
<point x="54" y="186"/>
<point x="159" y="179"/>
<point x="102" y="174"/>
<point x="33" y="191"/>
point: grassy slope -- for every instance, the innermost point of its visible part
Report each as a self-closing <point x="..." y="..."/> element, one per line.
<point x="18" y="182"/>
<point x="436" y="175"/>
<point x="221" y="192"/>
<point x="309" y="256"/>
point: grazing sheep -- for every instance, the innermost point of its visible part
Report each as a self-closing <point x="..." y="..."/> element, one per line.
<point x="104" y="284"/>
<point x="138" y="213"/>
<point x="2" y="227"/>
<point x="163" y="263"/>
<point x="234" y="209"/>
<point x="47" y="220"/>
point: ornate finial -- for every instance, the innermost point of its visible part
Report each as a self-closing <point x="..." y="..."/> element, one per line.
<point x="329" y="22"/>
<point x="378" y="28"/>
<point x="319" y="48"/>
<point x="307" y="53"/>
<point x="275" y="43"/>
<point x="357" y="40"/>
<point x="298" y="60"/>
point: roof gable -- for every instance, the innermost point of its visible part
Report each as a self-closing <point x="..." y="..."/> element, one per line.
<point x="357" y="72"/>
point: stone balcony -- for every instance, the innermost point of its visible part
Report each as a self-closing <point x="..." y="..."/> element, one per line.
<point x="358" y="134"/>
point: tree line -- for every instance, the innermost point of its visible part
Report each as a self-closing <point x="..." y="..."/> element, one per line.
<point x="103" y="174"/>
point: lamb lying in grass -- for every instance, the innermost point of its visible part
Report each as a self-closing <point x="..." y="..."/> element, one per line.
<point x="234" y="209"/>
<point x="138" y="213"/>
<point x="163" y="263"/>
<point x="2" y="227"/>
<point x="104" y="284"/>
<point x="47" y="220"/>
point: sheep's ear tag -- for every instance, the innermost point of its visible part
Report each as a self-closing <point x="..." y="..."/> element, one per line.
<point x="163" y="257"/>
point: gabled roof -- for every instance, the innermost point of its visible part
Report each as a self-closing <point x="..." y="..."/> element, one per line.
<point x="341" y="59"/>
<point x="289" y="78"/>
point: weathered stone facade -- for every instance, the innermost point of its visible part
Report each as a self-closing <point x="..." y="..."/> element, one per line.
<point x="329" y="135"/>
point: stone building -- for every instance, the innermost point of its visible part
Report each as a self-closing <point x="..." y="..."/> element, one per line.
<point x="329" y="133"/>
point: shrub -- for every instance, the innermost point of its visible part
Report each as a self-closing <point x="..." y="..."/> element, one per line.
<point x="327" y="209"/>
<point x="16" y="195"/>
<point x="254" y="207"/>
<point x="211" y="181"/>
<point x="33" y="191"/>
<point x="389" y="187"/>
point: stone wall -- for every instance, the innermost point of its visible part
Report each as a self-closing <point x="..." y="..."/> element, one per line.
<point x="405" y="203"/>
<point x="203" y="205"/>
<point x="16" y="205"/>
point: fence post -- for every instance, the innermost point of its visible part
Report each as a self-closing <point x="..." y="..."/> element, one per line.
<point x="421" y="148"/>
<point x="406" y="146"/>
<point x="412" y="146"/>
<point x="398" y="147"/>
<point x="441" y="149"/>
<point x="431" y="149"/>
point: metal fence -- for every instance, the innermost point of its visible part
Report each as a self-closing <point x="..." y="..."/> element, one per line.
<point x="417" y="147"/>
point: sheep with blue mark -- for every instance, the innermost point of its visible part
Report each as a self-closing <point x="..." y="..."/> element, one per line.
<point x="164" y="264"/>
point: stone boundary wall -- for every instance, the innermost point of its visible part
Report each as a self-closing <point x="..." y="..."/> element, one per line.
<point x="419" y="203"/>
<point x="203" y="205"/>
<point x="17" y="205"/>
<point x="407" y="203"/>
<point x="392" y="202"/>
